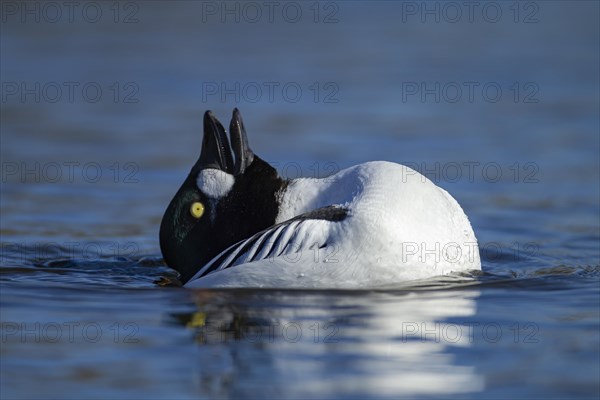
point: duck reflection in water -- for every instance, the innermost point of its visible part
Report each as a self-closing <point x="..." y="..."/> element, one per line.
<point x="385" y="342"/>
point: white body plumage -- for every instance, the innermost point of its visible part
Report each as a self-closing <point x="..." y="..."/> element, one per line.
<point x="398" y="226"/>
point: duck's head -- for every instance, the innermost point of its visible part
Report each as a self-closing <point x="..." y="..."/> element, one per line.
<point x="227" y="196"/>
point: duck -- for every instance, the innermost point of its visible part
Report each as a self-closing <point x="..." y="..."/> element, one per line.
<point x="235" y="222"/>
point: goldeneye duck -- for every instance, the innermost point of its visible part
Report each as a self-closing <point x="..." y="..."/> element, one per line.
<point x="236" y="223"/>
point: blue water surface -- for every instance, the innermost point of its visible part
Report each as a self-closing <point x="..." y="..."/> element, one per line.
<point x="101" y="119"/>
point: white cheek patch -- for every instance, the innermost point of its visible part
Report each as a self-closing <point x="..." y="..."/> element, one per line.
<point x="214" y="183"/>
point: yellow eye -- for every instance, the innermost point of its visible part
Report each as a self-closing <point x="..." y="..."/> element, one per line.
<point x="197" y="209"/>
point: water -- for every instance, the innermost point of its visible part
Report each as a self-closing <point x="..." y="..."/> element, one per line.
<point x="81" y="313"/>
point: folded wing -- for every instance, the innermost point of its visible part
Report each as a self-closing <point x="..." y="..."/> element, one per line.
<point x="304" y="232"/>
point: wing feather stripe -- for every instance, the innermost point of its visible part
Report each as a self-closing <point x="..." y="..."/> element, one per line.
<point x="284" y="238"/>
<point x="247" y="256"/>
<point x="274" y="240"/>
<point x="255" y="241"/>
<point x="217" y="262"/>
<point x="213" y="264"/>
<point x="266" y="250"/>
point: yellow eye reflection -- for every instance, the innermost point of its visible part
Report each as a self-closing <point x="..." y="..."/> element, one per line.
<point x="197" y="209"/>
